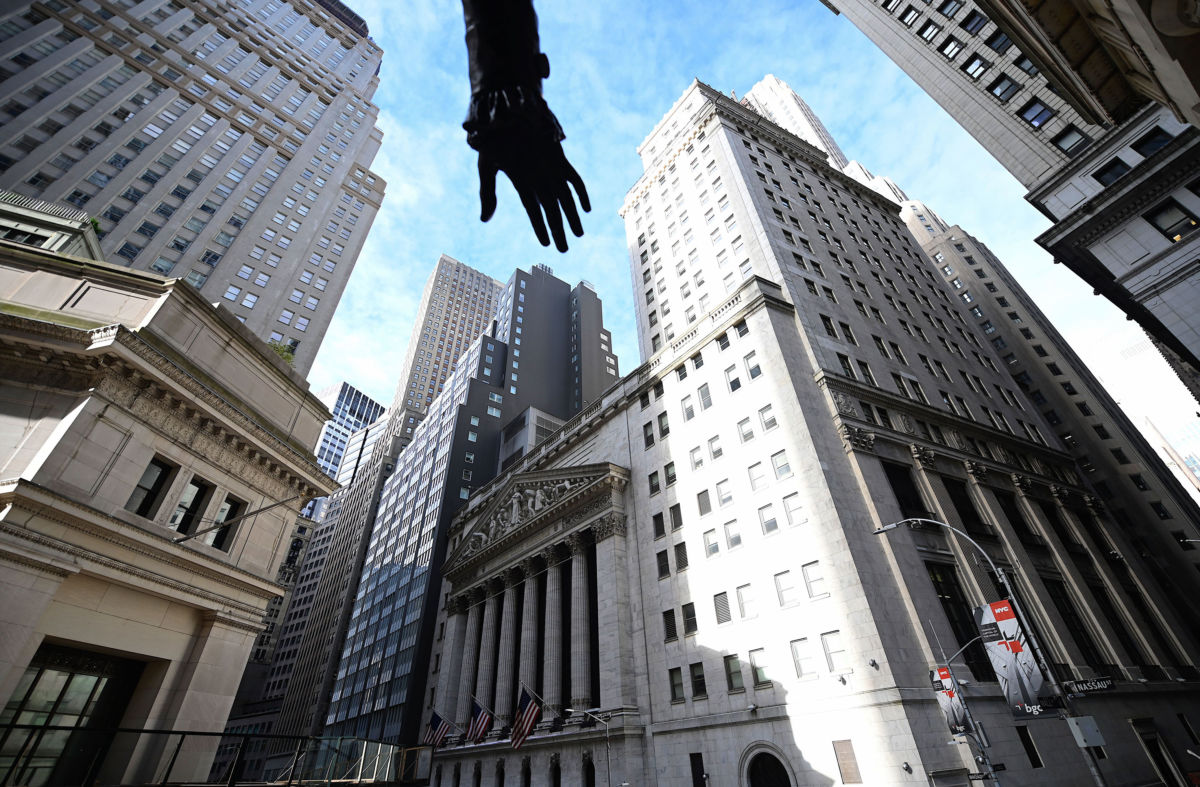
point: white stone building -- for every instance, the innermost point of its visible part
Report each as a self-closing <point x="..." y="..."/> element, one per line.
<point x="134" y="414"/>
<point x="692" y="561"/>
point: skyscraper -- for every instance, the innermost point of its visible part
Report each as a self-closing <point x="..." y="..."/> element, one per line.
<point x="1122" y="469"/>
<point x="228" y="145"/>
<point x="1120" y="185"/>
<point x="545" y="353"/>
<point x="458" y="302"/>
<point x="692" y="561"/>
<point x="352" y="410"/>
<point x="456" y="306"/>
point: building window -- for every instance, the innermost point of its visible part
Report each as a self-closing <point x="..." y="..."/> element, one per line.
<point x="664" y="564"/>
<point x="1004" y="88"/>
<point x="780" y="462"/>
<point x="1070" y="140"/>
<point x="654" y="483"/>
<point x="690" y="624"/>
<point x="733" y="535"/>
<point x="909" y="16"/>
<point x="1110" y="172"/>
<point x="766" y="518"/>
<point x="1035" y="759"/>
<point x="785" y="591"/>
<point x="835" y="653"/>
<point x="1172" y="220"/>
<point x="1035" y="113"/>
<point x="681" y="557"/>
<point x="699" y="690"/>
<point x="758" y="666"/>
<point x="675" y="674"/>
<point x="712" y="546"/>
<point x="733" y="674"/>
<point x="732" y="379"/>
<point x="999" y="42"/>
<point x="148" y="493"/>
<point x="975" y="66"/>
<point x="974" y="22"/>
<point x="929" y="31"/>
<point x="757" y="476"/>
<point x="814" y="580"/>
<point x="192" y="502"/>
<point x="670" y="631"/>
<point x="1151" y="143"/>
<point x="802" y="657"/>
<point x="950" y="47"/>
<point x="949" y="8"/>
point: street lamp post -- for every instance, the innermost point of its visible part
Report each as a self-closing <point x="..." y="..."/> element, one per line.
<point x="1034" y="644"/>
<point x="607" y="747"/>
<point x="983" y="753"/>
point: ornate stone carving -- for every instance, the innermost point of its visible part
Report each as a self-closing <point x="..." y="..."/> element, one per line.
<point x="844" y="404"/>
<point x="977" y="469"/>
<point x="575" y="544"/>
<point x="1023" y="484"/>
<point x="956" y="439"/>
<point x="610" y="524"/>
<point x="1061" y="494"/>
<point x="1095" y="504"/>
<point x="524" y="503"/>
<point x="529" y="567"/>
<point x="457" y="605"/>
<point x="857" y="439"/>
<point x="906" y="423"/>
<point x="925" y="457"/>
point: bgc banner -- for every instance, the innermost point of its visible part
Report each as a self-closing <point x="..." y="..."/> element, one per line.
<point x="950" y="700"/>
<point x="1008" y="650"/>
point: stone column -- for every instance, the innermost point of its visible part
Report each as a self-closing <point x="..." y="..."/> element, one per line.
<point x="470" y="658"/>
<point x="506" y="669"/>
<point x="581" y="626"/>
<point x="613" y="615"/>
<point x="485" y="682"/>
<point x="552" y="659"/>
<point x="529" y="626"/>
<point x="452" y="654"/>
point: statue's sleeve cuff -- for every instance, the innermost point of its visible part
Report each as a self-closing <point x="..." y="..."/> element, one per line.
<point x="507" y="110"/>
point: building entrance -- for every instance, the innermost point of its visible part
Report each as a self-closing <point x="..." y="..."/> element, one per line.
<point x="53" y="729"/>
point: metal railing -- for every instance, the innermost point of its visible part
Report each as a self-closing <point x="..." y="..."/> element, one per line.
<point x="62" y="756"/>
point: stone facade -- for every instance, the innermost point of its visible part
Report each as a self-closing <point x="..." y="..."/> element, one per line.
<point x="732" y="616"/>
<point x="136" y="414"/>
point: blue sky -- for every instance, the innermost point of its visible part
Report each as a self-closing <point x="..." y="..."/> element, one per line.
<point x="616" y="67"/>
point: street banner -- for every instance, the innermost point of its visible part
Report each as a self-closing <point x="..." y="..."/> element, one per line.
<point x="950" y="700"/>
<point x="1008" y="649"/>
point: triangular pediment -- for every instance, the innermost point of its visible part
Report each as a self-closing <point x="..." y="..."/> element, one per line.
<point x="528" y="502"/>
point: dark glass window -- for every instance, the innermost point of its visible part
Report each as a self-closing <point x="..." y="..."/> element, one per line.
<point x="1152" y="142"/>
<point x="1172" y="220"/>
<point x="1076" y="627"/>
<point x="999" y="41"/>
<point x="148" y="492"/>
<point x="1035" y="113"/>
<point x="961" y="617"/>
<point x="1110" y="172"/>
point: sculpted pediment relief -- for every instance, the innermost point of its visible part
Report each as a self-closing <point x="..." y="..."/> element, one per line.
<point x="529" y="501"/>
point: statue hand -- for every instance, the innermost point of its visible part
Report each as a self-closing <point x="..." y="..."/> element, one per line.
<point x="539" y="171"/>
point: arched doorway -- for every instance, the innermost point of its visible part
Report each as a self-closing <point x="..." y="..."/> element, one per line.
<point x="767" y="771"/>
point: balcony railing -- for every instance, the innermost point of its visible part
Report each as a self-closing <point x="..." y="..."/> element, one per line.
<point x="63" y="756"/>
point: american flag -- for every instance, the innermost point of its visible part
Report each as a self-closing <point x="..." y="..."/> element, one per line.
<point x="528" y="714"/>
<point x="438" y="729"/>
<point x="481" y="722"/>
